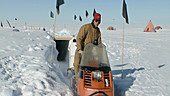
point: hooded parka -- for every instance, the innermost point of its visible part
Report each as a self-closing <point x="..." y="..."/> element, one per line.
<point x="87" y="34"/>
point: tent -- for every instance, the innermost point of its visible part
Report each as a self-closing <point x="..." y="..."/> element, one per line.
<point x="158" y="27"/>
<point x="150" y="27"/>
<point x="110" y="28"/>
<point x="17" y="30"/>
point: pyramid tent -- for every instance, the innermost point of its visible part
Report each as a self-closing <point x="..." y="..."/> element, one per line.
<point x="150" y="27"/>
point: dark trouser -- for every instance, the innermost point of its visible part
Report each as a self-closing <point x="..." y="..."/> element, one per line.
<point x="77" y="60"/>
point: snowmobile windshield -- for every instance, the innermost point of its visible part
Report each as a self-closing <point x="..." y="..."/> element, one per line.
<point x="95" y="56"/>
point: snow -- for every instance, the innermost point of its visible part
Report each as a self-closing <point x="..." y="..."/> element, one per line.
<point x="25" y="65"/>
<point x="25" y="62"/>
<point x="146" y="62"/>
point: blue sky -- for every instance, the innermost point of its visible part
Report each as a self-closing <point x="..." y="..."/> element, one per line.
<point x="37" y="11"/>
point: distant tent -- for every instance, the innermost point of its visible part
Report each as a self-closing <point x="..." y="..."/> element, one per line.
<point x="110" y="28"/>
<point x="158" y="27"/>
<point x="1" y="24"/>
<point x="17" y="30"/>
<point x="150" y="27"/>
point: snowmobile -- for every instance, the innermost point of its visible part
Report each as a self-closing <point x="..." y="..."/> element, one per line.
<point x="94" y="77"/>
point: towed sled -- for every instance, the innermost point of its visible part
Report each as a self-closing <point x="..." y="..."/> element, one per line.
<point x="94" y="77"/>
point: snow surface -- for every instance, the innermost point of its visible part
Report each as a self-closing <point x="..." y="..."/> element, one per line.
<point x="25" y="62"/>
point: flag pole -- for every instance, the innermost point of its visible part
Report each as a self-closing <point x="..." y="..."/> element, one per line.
<point x="123" y="46"/>
<point x="53" y="36"/>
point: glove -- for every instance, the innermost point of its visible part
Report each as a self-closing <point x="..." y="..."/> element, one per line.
<point x="81" y="52"/>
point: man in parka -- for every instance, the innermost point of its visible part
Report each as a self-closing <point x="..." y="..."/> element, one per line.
<point x="88" y="33"/>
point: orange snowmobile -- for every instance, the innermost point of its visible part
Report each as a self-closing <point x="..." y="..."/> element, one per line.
<point x="94" y="77"/>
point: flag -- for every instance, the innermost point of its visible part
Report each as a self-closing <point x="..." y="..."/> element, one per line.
<point x="59" y="2"/>
<point x="51" y="14"/>
<point x="8" y="23"/>
<point x="94" y="12"/>
<point x="87" y="14"/>
<point x="80" y="18"/>
<point x="1" y="24"/>
<point x="124" y="12"/>
<point x="75" y="17"/>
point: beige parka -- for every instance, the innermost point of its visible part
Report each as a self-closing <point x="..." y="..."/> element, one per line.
<point x="87" y="34"/>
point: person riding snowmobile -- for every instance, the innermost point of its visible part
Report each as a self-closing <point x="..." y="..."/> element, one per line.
<point x="88" y="33"/>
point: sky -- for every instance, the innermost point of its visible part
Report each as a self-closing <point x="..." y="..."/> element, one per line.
<point x="37" y="11"/>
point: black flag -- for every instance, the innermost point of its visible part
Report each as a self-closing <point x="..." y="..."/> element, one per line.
<point x="75" y="17"/>
<point x="94" y="12"/>
<point x="87" y="14"/>
<point x="1" y="24"/>
<point x="80" y="18"/>
<point x="124" y="12"/>
<point x="51" y="14"/>
<point x="8" y="23"/>
<point x="59" y="2"/>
